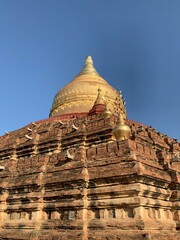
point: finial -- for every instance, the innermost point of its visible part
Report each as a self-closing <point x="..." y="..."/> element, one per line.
<point x="121" y="131"/>
<point x="120" y="120"/>
<point x="99" y="104"/>
<point x="88" y="60"/>
<point x="99" y="99"/>
<point x="107" y="113"/>
<point x="88" y="67"/>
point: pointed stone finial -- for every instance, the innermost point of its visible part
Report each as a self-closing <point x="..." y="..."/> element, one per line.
<point x="99" y="99"/>
<point x="121" y="131"/>
<point x="99" y="104"/>
<point x="88" y="60"/>
<point x="88" y="67"/>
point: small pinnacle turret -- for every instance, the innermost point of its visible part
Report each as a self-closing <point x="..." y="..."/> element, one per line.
<point x="99" y="104"/>
<point x="121" y="131"/>
<point x="100" y="98"/>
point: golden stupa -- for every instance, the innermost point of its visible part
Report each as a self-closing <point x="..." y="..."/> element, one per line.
<point x="121" y="131"/>
<point x="79" y="95"/>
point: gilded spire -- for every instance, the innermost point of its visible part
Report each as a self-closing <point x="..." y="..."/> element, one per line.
<point x="121" y="131"/>
<point x="99" y="99"/>
<point x="99" y="104"/>
<point x="80" y="95"/>
<point x="120" y="121"/>
<point x="88" y="67"/>
<point x="107" y="112"/>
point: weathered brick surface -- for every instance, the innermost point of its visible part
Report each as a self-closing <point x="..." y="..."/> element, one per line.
<point x="67" y="178"/>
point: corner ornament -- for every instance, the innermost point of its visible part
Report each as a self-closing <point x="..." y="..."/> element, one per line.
<point x="121" y="131"/>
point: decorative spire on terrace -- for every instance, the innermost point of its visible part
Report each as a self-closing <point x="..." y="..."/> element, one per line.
<point x="122" y="131"/>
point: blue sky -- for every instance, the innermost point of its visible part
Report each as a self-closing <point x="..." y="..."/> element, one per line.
<point x="135" y="45"/>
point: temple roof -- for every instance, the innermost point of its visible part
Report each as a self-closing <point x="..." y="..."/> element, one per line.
<point x="79" y="95"/>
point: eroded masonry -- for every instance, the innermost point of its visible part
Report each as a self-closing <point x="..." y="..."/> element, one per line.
<point x="87" y="172"/>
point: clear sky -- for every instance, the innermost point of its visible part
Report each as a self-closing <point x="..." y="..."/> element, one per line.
<point x="135" y="45"/>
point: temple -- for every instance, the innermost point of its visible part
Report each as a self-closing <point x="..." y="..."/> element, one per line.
<point x="88" y="172"/>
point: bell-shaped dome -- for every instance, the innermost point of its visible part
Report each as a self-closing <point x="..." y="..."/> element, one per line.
<point x="79" y="95"/>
